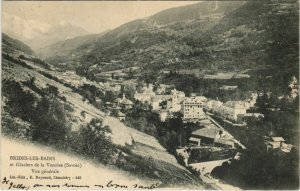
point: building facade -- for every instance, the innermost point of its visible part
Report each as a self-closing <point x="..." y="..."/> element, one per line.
<point x="193" y="107"/>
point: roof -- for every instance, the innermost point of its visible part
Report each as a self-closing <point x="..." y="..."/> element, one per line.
<point x="197" y="99"/>
<point x="224" y="141"/>
<point x="277" y="139"/>
<point x="228" y="87"/>
<point x="210" y="132"/>
<point x="194" y="139"/>
<point x="164" y="85"/>
<point x="287" y="148"/>
<point x="254" y="115"/>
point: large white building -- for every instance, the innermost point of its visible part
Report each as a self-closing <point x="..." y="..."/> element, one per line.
<point x="193" y="107"/>
<point x="232" y="109"/>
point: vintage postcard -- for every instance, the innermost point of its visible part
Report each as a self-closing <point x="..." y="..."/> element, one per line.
<point x="200" y="95"/>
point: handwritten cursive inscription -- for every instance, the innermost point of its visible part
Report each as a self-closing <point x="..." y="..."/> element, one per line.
<point x="111" y="185"/>
<point x="12" y="185"/>
<point x="153" y="186"/>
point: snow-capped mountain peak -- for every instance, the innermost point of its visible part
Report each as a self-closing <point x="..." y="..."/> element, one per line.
<point x="38" y="34"/>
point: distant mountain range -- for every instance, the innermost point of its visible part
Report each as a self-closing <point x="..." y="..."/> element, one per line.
<point x="211" y="36"/>
<point x="37" y="34"/>
<point x="144" y="35"/>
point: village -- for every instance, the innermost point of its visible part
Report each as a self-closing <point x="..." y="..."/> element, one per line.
<point x="181" y="95"/>
<point x="209" y="145"/>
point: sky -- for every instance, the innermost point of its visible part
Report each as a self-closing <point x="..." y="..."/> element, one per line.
<point x="93" y="16"/>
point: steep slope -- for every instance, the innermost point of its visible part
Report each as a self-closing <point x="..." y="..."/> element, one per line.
<point x="160" y="35"/>
<point x="195" y="11"/>
<point x="164" y="165"/>
<point x="16" y="47"/>
<point x="259" y="35"/>
<point x="213" y="37"/>
<point x="62" y="48"/>
<point x="136" y="152"/>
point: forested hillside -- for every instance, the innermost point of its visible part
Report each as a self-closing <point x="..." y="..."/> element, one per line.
<point x="209" y="36"/>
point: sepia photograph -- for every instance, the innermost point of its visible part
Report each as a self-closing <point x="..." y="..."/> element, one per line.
<point x="148" y="95"/>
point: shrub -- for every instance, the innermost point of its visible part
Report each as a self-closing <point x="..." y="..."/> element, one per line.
<point x="95" y="142"/>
